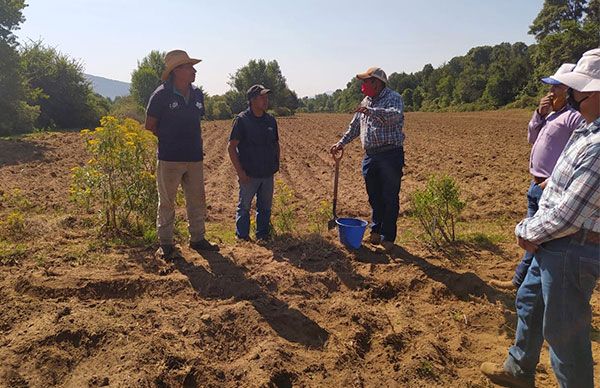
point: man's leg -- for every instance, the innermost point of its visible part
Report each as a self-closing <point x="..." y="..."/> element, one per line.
<point x="570" y="271"/>
<point x="242" y="216"/>
<point x="168" y="178"/>
<point x="533" y="198"/>
<point x="390" y="175"/>
<point x="370" y="171"/>
<point x="195" y="200"/>
<point x="264" y="202"/>
<point x="524" y="355"/>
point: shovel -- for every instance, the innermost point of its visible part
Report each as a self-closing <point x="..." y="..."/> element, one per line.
<point x="336" y="157"/>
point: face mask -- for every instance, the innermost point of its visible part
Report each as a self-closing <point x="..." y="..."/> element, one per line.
<point x="558" y="102"/>
<point x="573" y="102"/>
<point x="367" y="89"/>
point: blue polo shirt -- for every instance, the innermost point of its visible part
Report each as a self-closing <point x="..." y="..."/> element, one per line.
<point x="179" y="132"/>
<point x="258" y="143"/>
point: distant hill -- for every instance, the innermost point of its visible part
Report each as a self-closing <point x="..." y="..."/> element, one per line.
<point x="108" y="87"/>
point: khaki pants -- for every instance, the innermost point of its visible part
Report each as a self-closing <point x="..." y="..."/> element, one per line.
<point x="191" y="177"/>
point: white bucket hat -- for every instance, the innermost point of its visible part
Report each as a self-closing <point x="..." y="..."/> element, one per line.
<point x="586" y="75"/>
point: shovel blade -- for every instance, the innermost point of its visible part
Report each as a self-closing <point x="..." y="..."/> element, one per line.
<point x="331" y="224"/>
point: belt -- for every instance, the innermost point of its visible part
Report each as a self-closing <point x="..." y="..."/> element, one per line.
<point x="585" y="236"/>
<point x="537" y="180"/>
<point x="378" y="150"/>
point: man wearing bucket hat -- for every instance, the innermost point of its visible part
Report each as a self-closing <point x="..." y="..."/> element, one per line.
<point x="173" y="115"/>
<point x="550" y="128"/>
<point x="254" y="151"/>
<point x="379" y="120"/>
<point x="553" y="303"/>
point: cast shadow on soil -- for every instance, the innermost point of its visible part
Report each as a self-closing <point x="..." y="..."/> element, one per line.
<point x="462" y="285"/>
<point x="228" y="280"/>
<point x="18" y="151"/>
<point x="314" y="253"/>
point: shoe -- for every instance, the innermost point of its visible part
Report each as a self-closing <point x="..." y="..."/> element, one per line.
<point x="503" y="284"/>
<point x="388" y="245"/>
<point x="498" y="375"/>
<point x="246" y="239"/>
<point x="169" y="252"/>
<point x="375" y="238"/>
<point x="204" y="245"/>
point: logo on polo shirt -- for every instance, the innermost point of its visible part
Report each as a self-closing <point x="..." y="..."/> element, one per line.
<point x="270" y="129"/>
<point x="199" y="105"/>
<point x="174" y="105"/>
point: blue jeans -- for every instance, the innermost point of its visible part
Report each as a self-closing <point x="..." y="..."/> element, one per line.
<point x="533" y="199"/>
<point x="553" y="303"/>
<point x="383" y="173"/>
<point x="262" y="188"/>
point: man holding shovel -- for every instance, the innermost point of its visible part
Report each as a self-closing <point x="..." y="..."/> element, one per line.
<point x="379" y="120"/>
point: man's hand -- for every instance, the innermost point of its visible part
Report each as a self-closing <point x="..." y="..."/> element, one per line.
<point x="543" y="184"/>
<point x="243" y="177"/>
<point x="527" y="245"/>
<point x="363" y="109"/>
<point x="545" y="106"/>
<point x="337" y="147"/>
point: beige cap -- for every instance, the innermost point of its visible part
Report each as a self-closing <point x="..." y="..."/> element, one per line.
<point x="176" y="58"/>
<point x="373" y="72"/>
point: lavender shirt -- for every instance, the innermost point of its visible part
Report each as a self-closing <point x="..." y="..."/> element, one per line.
<point x="549" y="135"/>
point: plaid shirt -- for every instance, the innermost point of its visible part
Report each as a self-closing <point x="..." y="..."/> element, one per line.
<point x="383" y="127"/>
<point x="571" y="200"/>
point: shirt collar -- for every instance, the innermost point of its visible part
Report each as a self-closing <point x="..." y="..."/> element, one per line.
<point x="384" y="92"/>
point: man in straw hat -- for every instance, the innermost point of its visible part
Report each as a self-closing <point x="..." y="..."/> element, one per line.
<point x="550" y="128"/>
<point x="173" y="115"/>
<point x="254" y="151"/>
<point x="379" y="120"/>
<point x="553" y="303"/>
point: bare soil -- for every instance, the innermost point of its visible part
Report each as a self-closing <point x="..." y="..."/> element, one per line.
<point x="299" y="311"/>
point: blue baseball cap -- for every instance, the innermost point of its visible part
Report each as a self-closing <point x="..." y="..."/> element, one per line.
<point x="564" y="68"/>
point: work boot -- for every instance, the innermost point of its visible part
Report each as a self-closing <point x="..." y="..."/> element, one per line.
<point x="388" y="245"/>
<point x="498" y="375"/>
<point x="168" y="252"/>
<point x="375" y="238"/>
<point x="503" y="284"/>
<point x="204" y="245"/>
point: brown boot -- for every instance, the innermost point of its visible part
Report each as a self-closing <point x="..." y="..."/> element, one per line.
<point x="503" y="284"/>
<point x="375" y="238"/>
<point x="499" y="376"/>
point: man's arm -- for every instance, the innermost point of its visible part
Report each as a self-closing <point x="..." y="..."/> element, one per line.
<point x="235" y="160"/>
<point x="152" y="124"/>
<point x="579" y="201"/>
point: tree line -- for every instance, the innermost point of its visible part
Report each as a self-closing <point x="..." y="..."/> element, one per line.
<point x="41" y="87"/>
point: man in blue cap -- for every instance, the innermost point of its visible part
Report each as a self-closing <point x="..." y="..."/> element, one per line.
<point x="254" y="151"/>
<point x="550" y="128"/>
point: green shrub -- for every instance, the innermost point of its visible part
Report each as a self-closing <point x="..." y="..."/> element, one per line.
<point x="437" y="207"/>
<point x="319" y="216"/>
<point x="119" y="177"/>
<point x="284" y="217"/>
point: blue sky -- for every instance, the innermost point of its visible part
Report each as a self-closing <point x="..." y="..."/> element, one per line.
<point x="319" y="44"/>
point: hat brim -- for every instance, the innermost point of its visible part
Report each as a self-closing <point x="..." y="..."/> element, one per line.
<point x="550" y="81"/>
<point x="363" y="76"/>
<point x="264" y="91"/>
<point x="168" y="70"/>
<point x="580" y="82"/>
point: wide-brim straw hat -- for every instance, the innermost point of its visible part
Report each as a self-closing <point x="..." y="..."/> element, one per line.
<point x="176" y="58"/>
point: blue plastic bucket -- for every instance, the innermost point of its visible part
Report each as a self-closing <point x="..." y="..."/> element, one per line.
<point x="351" y="231"/>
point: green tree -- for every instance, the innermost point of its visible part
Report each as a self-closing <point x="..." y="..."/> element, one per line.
<point x="65" y="96"/>
<point x="146" y="77"/>
<point x="16" y="115"/>
<point x="268" y="74"/>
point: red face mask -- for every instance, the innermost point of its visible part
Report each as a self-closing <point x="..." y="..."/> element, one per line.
<point x="367" y="89"/>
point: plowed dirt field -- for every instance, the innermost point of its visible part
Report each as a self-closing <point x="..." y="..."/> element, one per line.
<point x="298" y="311"/>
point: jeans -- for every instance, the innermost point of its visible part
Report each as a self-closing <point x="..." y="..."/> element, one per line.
<point x="263" y="189"/>
<point x="533" y="199"/>
<point x="383" y="173"/>
<point x="553" y="303"/>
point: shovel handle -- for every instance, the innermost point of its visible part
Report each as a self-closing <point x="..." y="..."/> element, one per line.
<point x="337" y="156"/>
